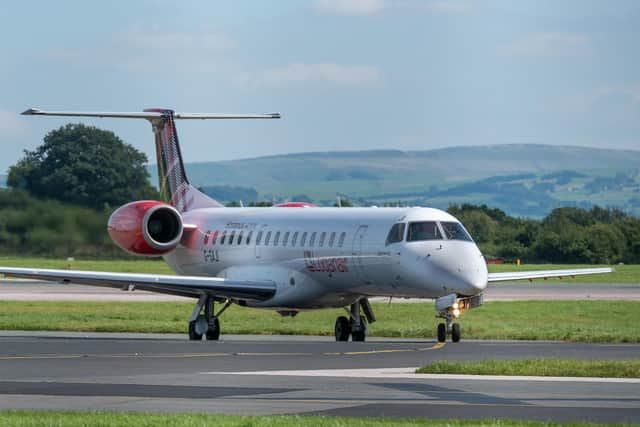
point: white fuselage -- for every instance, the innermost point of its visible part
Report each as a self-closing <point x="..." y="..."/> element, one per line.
<point x="330" y="257"/>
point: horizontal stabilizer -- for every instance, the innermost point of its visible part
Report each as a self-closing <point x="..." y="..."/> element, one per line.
<point x="149" y="115"/>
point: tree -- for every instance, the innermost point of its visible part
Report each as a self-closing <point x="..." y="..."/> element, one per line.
<point x="85" y="166"/>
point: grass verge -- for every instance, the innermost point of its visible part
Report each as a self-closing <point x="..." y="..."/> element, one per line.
<point x="81" y="419"/>
<point x="538" y="367"/>
<point x="584" y="321"/>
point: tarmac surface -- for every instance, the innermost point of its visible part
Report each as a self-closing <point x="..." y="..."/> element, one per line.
<point x="301" y="375"/>
<point x="11" y="289"/>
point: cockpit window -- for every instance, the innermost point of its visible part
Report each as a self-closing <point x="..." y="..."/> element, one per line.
<point x="455" y="231"/>
<point x="427" y="230"/>
<point x="396" y="234"/>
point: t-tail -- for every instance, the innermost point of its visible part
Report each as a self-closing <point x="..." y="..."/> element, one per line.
<point x="173" y="183"/>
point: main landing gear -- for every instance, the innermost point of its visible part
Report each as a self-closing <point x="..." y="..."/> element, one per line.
<point x="356" y="324"/>
<point x="207" y="324"/>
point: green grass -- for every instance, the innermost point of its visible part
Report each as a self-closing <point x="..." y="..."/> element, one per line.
<point x="538" y="367"/>
<point x="622" y="273"/>
<point x="583" y="321"/>
<point x="98" y="419"/>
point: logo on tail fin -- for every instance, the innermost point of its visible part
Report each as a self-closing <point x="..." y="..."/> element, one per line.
<point x="174" y="185"/>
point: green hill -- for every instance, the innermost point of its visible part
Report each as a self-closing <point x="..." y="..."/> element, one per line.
<point x="527" y="180"/>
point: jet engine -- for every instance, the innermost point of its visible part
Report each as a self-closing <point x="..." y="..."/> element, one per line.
<point x="146" y="227"/>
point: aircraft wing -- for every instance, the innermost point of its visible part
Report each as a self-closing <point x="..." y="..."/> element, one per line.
<point x="187" y="286"/>
<point x="544" y="274"/>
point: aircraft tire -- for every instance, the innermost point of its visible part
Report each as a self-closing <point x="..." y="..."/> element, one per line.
<point x="342" y="329"/>
<point x="442" y="332"/>
<point x="358" y="336"/>
<point x="213" y="333"/>
<point x="455" y="332"/>
<point x="193" y="335"/>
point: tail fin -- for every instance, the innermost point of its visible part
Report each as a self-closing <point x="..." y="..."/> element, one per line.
<point x="173" y="183"/>
<point x="174" y="186"/>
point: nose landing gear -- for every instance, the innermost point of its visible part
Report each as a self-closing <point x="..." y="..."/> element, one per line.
<point x="449" y="328"/>
<point x="449" y="308"/>
<point x="356" y="324"/>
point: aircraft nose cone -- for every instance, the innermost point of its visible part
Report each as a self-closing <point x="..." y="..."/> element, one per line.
<point x="471" y="272"/>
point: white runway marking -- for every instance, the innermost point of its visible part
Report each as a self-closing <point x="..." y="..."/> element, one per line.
<point x="409" y="373"/>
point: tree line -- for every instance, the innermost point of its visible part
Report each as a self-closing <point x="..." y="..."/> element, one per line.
<point x="566" y="235"/>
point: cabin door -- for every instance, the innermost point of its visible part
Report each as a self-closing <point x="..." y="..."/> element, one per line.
<point x="358" y="254"/>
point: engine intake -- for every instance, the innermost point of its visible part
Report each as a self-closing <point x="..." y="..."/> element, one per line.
<point x="146" y="227"/>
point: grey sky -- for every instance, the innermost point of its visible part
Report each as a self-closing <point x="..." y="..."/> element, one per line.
<point x="350" y="74"/>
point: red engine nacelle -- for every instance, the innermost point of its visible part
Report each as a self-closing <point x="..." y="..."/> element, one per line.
<point x="146" y="227"/>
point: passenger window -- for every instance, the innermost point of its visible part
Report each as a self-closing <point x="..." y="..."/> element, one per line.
<point x="233" y="232"/>
<point x="276" y="239"/>
<point x="396" y="234"/>
<point x="259" y="238"/>
<point x="294" y="239"/>
<point x="266" y="239"/>
<point x="455" y="231"/>
<point x="215" y="237"/>
<point x="331" y="239"/>
<point x="285" y="239"/>
<point x="312" y="239"/>
<point x="248" y="237"/>
<point x="239" y="238"/>
<point x="322" y="236"/>
<point x="223" y="235"/>
<point x="303" y="240"/>
<point x="341" y="241"/>
<point x="427" y="230"/>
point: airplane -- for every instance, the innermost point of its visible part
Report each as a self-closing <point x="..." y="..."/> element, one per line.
<point x="290" y="257"/>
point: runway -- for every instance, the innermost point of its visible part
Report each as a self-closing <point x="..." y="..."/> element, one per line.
<point x="24" y="290"/>
<point x="262" y="375"/>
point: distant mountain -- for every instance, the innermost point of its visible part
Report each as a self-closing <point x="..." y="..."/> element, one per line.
<point x="524" y="180"/>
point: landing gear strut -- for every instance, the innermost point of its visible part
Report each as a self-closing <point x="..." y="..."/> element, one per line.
<point x="356" y="324"/>
<point x="207" y="324"/>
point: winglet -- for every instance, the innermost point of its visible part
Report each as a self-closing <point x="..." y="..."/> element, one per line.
<point x="31" y="112"/>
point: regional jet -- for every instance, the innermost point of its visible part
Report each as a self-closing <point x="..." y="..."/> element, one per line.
<point x="290" y="257"/>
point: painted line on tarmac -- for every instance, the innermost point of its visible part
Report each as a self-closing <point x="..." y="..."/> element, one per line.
<point x="409" y="373"/>
<point x="216" y="354"/>
<point x="436" y="346"/>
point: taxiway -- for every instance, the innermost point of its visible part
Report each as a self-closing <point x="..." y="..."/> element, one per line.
<point x="296" y="375"/>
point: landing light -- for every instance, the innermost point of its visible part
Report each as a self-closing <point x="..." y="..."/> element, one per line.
<point x="455" y="306"/>
<point x="456" y="312"/>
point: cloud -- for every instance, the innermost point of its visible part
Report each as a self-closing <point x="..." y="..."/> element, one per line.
<point x="622" y="95"/>
<point x="452" y="7"/>
<point x="12" y="125"/>
<point x="549" y="44"/>
<point x="298" y="73"/>
<point x="145" y="51"/>
<point x="372" y="7"/>
<point x="349" y="7"/>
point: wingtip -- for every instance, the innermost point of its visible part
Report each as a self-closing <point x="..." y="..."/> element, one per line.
<point x="30" y="112"/>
